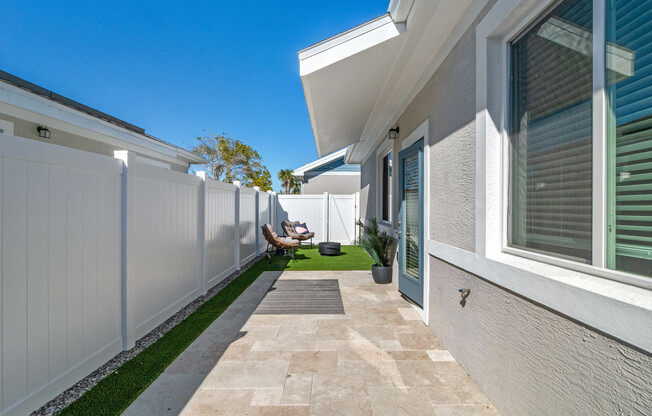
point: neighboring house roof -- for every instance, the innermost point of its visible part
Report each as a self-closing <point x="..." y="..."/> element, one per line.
<point x="357" y="83"/>
<point x="331" y="162"/>
<point x="135" y="131"/>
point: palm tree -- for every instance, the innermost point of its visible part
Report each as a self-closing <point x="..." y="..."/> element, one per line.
<point x="287" y="179"/>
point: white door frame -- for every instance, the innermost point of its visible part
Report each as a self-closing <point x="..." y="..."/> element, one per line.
<point x="418" y="133"/>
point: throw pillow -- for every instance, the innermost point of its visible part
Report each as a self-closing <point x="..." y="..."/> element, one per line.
<point x="301" y="228"/>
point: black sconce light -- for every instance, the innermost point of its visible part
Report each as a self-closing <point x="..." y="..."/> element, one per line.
<point x="43" y="132"/>
<point x="393" y="133"/>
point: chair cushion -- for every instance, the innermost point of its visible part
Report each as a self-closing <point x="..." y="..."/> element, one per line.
<point x="289" y="240"/>
<point x="271" y="230"/>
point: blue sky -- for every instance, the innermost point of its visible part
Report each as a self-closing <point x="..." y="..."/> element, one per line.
<point x="183" y="69"/>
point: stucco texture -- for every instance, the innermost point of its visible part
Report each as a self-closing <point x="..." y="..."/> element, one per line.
<point x="448" y="102"/>
<point x="530" y="360"/>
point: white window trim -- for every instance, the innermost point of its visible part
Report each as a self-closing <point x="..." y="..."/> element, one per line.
<point x="385" y="148"/>
<point x="619" y="309"/>
<point x="598" y="266"/>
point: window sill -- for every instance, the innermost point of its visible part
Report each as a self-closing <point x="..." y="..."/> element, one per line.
<point x="617" y="309"/>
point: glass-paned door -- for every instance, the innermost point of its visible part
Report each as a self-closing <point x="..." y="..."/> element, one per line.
<point x="410" y="281"/>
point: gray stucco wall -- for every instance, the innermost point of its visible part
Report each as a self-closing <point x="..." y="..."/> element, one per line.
<point x="335" y="184"/>
<point x="530" y="360"/>
<point x="448" y="102"/>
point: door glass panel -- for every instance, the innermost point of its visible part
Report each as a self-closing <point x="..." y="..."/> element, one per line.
<point x="411" y="198"/>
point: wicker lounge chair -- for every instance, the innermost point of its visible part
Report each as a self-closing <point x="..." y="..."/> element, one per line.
<point x="274" y="241"/>
<point x="288" y="228"/>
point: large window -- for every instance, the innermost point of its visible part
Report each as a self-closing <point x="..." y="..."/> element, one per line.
<point x="555" y="87"/>
<point x="386" y="191"/>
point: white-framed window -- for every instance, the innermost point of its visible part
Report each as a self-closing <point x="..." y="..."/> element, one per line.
<point x="578" y="122"/>
<point x="384" y="181"/>
<point x="386" y="188"/>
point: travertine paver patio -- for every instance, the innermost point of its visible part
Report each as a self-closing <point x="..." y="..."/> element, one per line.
<point x="377" y="359"/>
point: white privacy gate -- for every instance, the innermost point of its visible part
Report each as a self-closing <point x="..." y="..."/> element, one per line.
<point x="342" y="218"/>
<point x="330" y="217"/>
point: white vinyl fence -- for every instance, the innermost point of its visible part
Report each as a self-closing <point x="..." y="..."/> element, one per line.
<point x="330" y="217"/>
<point x="97" y="251"/>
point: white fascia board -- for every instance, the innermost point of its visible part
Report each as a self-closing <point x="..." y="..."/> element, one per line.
<point x="24" y="102"/>
<point x="331" y="173"/>
<point x="400" y="9"/>
<point x="349" y="43"/>
<point x="319" y="162"/>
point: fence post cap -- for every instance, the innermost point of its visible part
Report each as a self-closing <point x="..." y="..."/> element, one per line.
<point x="237" y="183"/>
<point x="257" y="188"/>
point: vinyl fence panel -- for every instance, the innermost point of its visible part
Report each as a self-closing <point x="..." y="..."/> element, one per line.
<point x="247" y="225"/>
<point x="220" y="231"/>
<point x="60" y="268"/>
<point x="167" y="247"/>
<point x="264" y="216"/>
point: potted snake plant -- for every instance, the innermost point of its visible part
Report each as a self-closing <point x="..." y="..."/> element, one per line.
<point x="377" y="244"/>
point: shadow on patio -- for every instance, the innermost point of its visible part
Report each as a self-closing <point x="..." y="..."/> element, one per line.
<point x="377" y="358"/>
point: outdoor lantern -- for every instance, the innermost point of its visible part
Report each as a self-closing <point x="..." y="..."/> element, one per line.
<point x="43" y="132"/>
<point x="393" y="133"/>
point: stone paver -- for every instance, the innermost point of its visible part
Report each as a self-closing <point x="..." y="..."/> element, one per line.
<point x="376" y="359"/>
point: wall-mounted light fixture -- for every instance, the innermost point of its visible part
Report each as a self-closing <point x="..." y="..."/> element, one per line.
<point x="393" y="133"/>
<point x="43" y="132"/>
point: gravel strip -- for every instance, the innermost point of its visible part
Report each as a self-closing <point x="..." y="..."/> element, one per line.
<point x="73" y="393"/>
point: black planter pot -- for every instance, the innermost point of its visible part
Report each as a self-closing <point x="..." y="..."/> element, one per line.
<point x="381" y="275"/>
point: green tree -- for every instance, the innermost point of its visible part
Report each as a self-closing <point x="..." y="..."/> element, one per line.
<point x="287" y="180"/>
<point x="232" y="160"/>
<point x="296" y="187"/>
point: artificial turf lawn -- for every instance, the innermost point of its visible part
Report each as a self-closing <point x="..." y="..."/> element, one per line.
<point x="351" y="258"/>
<point x="117" y="391"/>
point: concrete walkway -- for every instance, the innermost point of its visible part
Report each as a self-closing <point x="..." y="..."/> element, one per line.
<point x="377" y="359"/>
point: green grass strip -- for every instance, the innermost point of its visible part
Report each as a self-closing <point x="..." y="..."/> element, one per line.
<point x="113" y="394"/>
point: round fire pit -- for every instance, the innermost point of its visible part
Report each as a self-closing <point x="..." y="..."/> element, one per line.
<point x="329" y="249"/>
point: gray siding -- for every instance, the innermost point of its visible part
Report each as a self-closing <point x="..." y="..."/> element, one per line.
<point x="335" y="184"/>
<point x="530" y="360"/>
